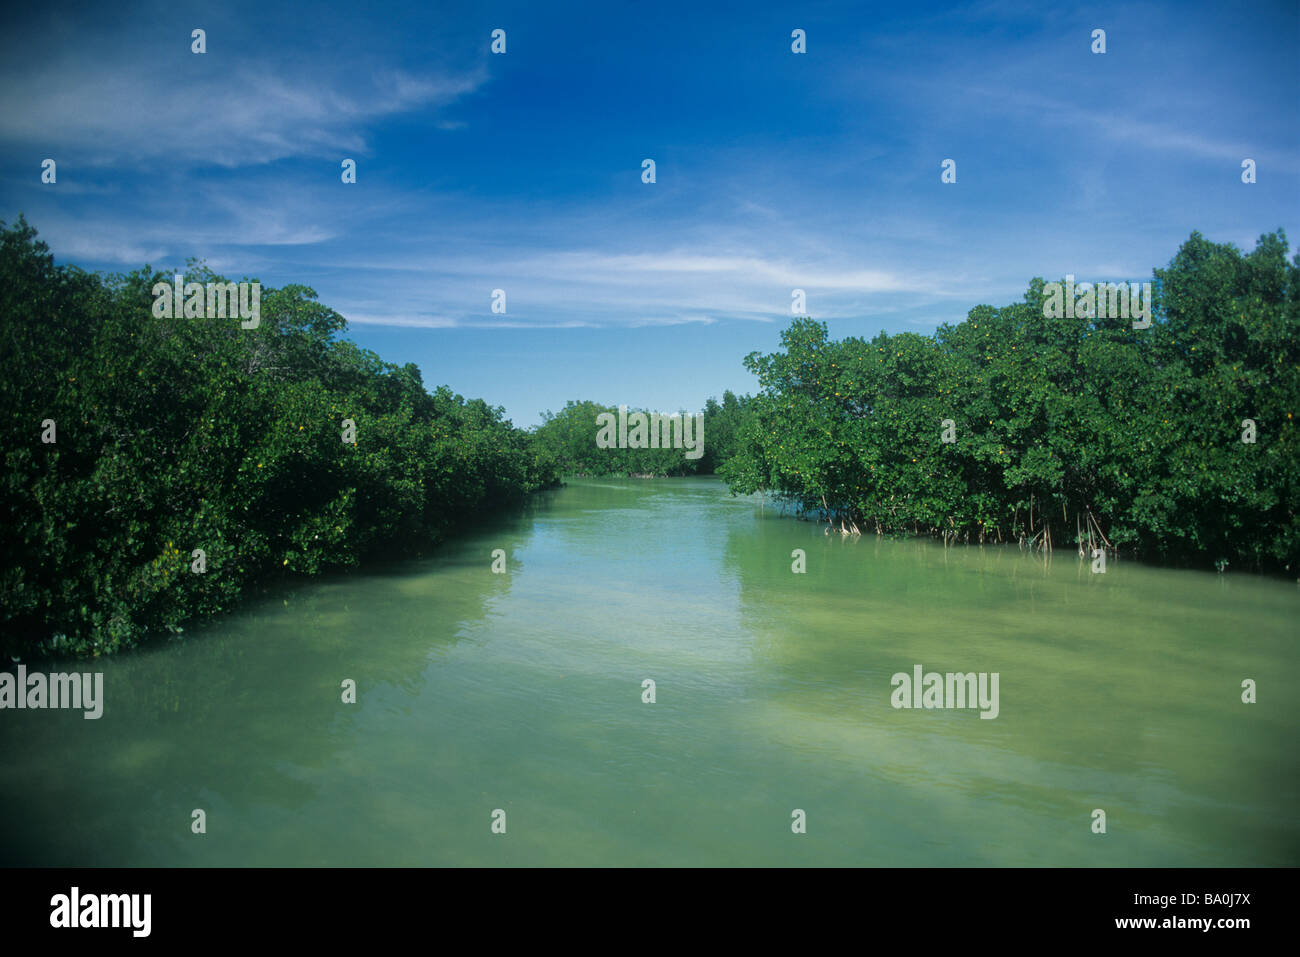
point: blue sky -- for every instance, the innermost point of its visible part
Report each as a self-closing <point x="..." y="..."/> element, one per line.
<point x="522" y="171"/>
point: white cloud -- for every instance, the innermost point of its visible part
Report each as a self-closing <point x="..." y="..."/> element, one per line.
<point x="250" y="115"/>
<point x="74" y="244"/>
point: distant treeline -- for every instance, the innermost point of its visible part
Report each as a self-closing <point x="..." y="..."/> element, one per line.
<point x="176" y="435"/>
<point x="570" y="435"/>
<point x="1060" y="429"/>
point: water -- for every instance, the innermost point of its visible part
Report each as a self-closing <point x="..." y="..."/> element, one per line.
<point x="523" y="691"/>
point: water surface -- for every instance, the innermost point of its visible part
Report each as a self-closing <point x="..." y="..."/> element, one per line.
<point x="523" y="691"/>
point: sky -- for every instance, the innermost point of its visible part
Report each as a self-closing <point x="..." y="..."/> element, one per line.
<point x="523" y="170"/>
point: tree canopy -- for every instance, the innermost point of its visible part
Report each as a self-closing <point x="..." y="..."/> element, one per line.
<point x="1058" y="428"/>
<point x="172" y="435"/>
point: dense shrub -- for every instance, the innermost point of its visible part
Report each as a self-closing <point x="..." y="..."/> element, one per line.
<point x="1061" y="424"/>
<point x="183" y="434"/>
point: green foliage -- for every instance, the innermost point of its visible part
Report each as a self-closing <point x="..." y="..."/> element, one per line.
<point x="722" y="425"/>
<point x="1059" y="422"/>
<point x="183" y="434"/>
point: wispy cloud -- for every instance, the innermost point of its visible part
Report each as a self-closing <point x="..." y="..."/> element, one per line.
<point x="104" y="113"/>
<point x="1133" y="130"/>
<point x="77" y="245"/>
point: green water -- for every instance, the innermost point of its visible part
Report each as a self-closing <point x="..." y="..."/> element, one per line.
<point x="523" y="692"/>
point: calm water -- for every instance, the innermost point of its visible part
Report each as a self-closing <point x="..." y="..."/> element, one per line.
<point x="523" y="692"/>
